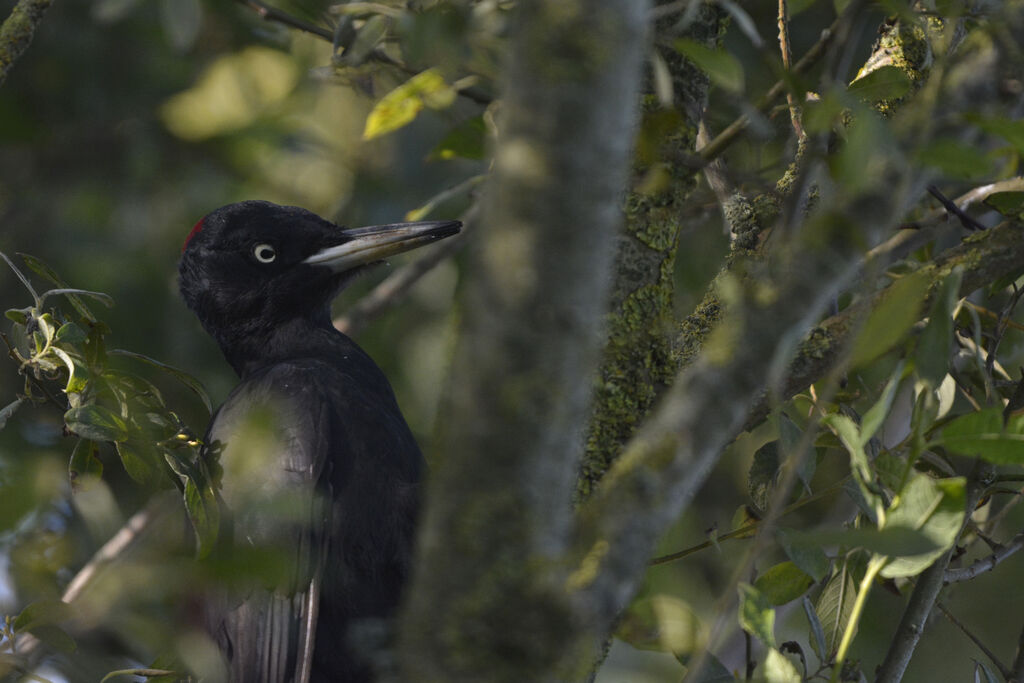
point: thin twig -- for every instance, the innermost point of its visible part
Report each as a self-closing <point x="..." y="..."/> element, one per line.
<point x="268" y="13"/>
<point x="974" y="639"/>
<point x="985" y="564"/>
<point x="787" y="58"/>
<point x="273" y="14"/>
<point x="810" y="58"/>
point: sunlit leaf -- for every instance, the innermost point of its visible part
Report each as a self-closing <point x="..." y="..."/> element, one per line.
<point x="722" y="68"/>
<point x="778" y="669"/>
<point x="401" y="106"/>
<point x="77" y="375"/>
<point x="40" y="268"/>
<point x="95" y="422"/>
<point x="934" y="508"/>
<point x="756" y="615"/>
<point x="883" y="83"/>
<point x="783" y="583"/>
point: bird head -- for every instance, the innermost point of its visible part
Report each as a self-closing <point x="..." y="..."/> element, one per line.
<point x="255" y="263"/>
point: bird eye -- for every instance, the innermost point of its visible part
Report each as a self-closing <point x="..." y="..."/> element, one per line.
<point x="264" y="253"/>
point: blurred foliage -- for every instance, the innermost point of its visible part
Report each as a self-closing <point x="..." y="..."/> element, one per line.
<point x="128" y="120"/>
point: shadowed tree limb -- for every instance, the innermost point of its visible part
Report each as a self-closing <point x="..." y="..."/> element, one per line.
<point x="497" y="517"/>
<point x="926" y="591"/>
<point x="17" y="31"/>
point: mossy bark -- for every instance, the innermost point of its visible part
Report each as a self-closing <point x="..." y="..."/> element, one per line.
<point x="17" y="31"/>
<point x="637" y="362"/>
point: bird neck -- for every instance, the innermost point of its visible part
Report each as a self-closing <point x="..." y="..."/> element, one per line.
<point x="251" y="347"/>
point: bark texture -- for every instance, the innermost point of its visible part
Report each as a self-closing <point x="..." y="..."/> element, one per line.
<point x="488" y="602"/>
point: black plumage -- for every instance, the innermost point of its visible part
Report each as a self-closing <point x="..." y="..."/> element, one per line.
<point x="316" y="462"/>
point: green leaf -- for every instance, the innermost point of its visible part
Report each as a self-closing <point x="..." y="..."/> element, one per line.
<point x="55" y="638"/>
<point x="95" y="422"/>
<point x="935" y="346"/>
<point x="890" y="541"/>
<point x="182" y="376"/>
<point x="756" y="615"/>
<point x="808" y="556"/>
<point x="860" y="467"/>
<point x="933" y="508"/>
<point x="41" y="613"/>
<point x="955" y="159"/>
<point x="1010" y="204"/>
<point x="468" y="140"/>
<point x="140" y="460"/>
<point x="981" y="434"/>
<point x="778" y="669"/>
<point x="834" y="608"/>
<point x="18" y="315"/>
<point x="1011" y="130"/>
<point x="70" y="333"/>
<point x="764" y="470"/>
<point x="884" y="83"/>
<point x="8" y="410"/>
<point x="77" y="375"/>
<point x="877" y="413"/>
<point x="817" y="632"/>
<point x="711" y="670"/>
<point x="84" y="462"/>
<point x="783" y="583"/>
<point x="401" y="106"/>
<point x="891" y="319"/>
<point x="200" y="501"/>
<point x="366" y="40"/>
<point x="722" y="68"/>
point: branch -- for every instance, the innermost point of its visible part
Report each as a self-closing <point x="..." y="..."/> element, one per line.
<point x="487" y="600"/>
<point x="268" y="13"/>
<point x="728" y="136"/>
<point x="926" y="591"/>
<point x="17" y="31"/>
<point x="147" y="524"/>
<point x="974" y="639"/>
<point x="985" y="564"/>
<point x="985" y="257"/>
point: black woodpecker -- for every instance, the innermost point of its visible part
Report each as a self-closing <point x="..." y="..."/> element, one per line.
<point x="315" y="462"/>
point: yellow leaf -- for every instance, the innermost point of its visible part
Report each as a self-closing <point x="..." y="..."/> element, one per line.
<point x="401" y="106"/>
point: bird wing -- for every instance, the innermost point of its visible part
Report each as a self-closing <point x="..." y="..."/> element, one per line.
<point x="273" y="441"/>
